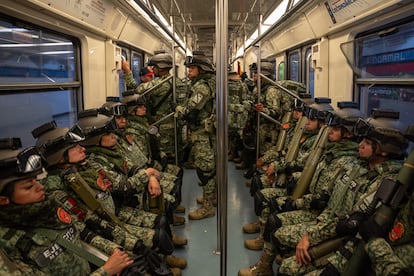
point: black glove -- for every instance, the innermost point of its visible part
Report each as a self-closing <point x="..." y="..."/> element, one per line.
<point x="370" y="229"/>
<point x="289" y="205"/>
<point x="156" y="265"/>
<point x="349" y="226"/>
<point x="320" y="201"/>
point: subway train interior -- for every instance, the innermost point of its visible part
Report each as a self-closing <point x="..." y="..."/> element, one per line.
<point x="60" y="57"/>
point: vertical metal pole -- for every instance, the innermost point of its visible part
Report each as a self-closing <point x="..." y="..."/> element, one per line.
<point x="222" y="136"/>
<point x="174" y="92"/>
<point x="259" y="85"/>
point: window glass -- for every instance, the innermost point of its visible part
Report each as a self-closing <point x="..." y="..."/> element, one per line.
<point x="294" y="66"/>
<point x="136" y="66"/>
<point x="281" y="71"/>
<point x="33" y="55"/>
<point x="39" y="77"/>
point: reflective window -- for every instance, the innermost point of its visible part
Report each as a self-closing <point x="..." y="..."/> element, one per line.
<point x="39" y="79"/>
<point x="294" y="66"/>
<point x="383" y="62"/>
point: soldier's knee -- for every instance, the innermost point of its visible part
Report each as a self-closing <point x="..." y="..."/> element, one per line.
<point x="256" y="185"/>
<point x="259" y="201"/>
<point x="272" y="224"/>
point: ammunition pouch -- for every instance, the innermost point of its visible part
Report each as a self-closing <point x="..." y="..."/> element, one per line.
<point x="272" y="224"/>
<point x="256" y="185"/>
<point x="259" y="201"/>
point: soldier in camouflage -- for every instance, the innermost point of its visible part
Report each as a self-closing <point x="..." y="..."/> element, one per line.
<point x="238" y="113"/>
<point x="381" y="151"/>
<point x="24" y="205"/>
<point x="315" y="119"/>
<point x="160" y="99"/>
<point x="199" y="114"/>
<point x="64" y="154"/>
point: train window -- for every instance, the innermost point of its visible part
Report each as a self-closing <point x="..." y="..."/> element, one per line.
<point x="309" y="72"/>
<point x="383" y="62"/>
<point x="135" y="63"/>
<point x="281" y="71"/>
<point x="294" y="66"/>
<point x="39" y="79"/>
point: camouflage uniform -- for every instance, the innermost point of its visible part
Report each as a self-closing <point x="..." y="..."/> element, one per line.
<point x="276" y="103"/>
<point x="238" y="113"/>
<point x="353" y="191"/>
<point x="199" y="115"/>
<point x="34" y="245"/>
<point x="75" y="206"/>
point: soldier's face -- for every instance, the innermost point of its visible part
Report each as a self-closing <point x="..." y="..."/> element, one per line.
<point x="76" y="154"/>
<point x="141" y="110"/>
<point x="120" y="122"/>
<point x="193" y="72"/>
<point x="335" y="134"/>
<point x="108" y="140"/>
<point x="311" y="124"/>
<point x="297" y="115"/>
<point x="28" y="191"/>
<point x="365" y="148"/>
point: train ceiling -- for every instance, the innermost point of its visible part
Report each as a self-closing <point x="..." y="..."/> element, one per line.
<point x="194" y="20"/>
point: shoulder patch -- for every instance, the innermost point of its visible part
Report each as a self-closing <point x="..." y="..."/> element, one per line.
<point x="63" y="216"/>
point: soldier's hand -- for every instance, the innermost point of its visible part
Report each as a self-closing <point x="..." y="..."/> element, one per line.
<point x="259" y="107"/>
<point x="152" y="172"/>
<point x="117" y="262"/>
<point x="154" y="187"/>
<point x="270" y="169"/>
<point x="125" y="66"/>
<point x="349" y="226"/>
<point x="302" y="255"/>
<point x="179" y="111"/>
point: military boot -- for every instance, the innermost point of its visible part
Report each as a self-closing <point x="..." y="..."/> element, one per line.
<point x="200" y="200"/>
<point x="257" y="243"/>
<point x="177" y="221"/>
<point x="262" y="268"/>
<point x="175" y="271"/>
<point x="179" y="241"/>
<point x="252" y="228"/>
<point x="173" y="261"/>
<point x="179" y="209"/>
<point x="205" y="211"/>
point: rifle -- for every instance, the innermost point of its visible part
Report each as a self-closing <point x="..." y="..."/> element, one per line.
<point x="283" y="131"/>
<point x="85" y="192"/>
<point x="317" y="150"/>
<point x="392" y="195"/>
<point x="293" y="148"/>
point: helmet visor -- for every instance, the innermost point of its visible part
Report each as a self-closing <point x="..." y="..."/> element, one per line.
<point x="29" y="160"/>
<point x="120" y="110"/>
<point x="362" y="128"/>
<point x="73" y="136"/>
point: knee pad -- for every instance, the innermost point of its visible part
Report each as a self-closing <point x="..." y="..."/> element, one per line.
<point x="274" y="206"/>
<point x="259" y="199"/>
<point x="204" y="176"/>
<point x="162" y="222"/>
<point x="272" y="224"/>
<point x="256" y="185"/>
<point x="169" y="212"/>
<point x="163" y="242"/>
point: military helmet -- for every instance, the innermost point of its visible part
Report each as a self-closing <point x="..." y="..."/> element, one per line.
<point x="200" y="60"/>
<point x="386" y="129"/>
<point x="267" y="68"/>
<point x="53" y="142"/>
<point x="94" y="126"/>
<point x="132" y="100"/>
<point x="16" y="164"/>
<point x="113" y="107"/>
<point x="161" y="59"/>
<point x="299" y="104"/>
<point x="345" y="116"/>
<point x="318" y="109"/>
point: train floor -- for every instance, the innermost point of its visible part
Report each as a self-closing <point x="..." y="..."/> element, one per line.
<point x="202" y="235"/>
